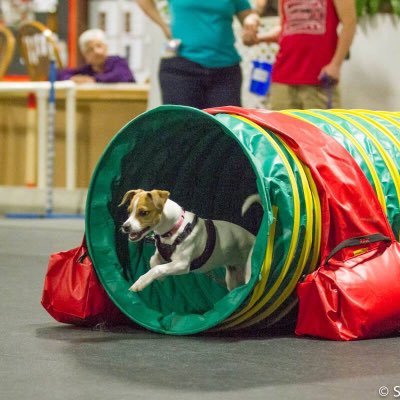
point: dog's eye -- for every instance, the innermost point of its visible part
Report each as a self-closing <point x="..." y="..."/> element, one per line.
<point x="143" y="213"/>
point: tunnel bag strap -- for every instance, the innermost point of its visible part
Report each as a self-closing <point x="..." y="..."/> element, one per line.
<point x="357" y="241"/>
<point x="210" y="245"/>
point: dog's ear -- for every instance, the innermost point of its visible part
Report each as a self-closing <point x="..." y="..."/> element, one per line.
<point x="128" y="196"/>
<point x="159" y="198"/>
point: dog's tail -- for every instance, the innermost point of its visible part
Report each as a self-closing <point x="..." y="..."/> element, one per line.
<point x="249" y="201"/>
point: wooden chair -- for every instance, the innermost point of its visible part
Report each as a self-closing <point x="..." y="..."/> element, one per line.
<point x="7" y="46"/>
<point x="38" y="46"/>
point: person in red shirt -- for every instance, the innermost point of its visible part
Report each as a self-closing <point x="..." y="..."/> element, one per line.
<point x="311" y="52"/>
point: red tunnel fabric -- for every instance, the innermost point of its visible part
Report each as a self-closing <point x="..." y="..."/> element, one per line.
<point x="358" y="296"/>
<point x="339" y="179"/>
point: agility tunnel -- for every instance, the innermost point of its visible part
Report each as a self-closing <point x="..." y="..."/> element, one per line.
<point x="210" y="162"/>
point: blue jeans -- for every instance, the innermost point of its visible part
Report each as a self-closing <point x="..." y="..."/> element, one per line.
<point x="187" y="83"/>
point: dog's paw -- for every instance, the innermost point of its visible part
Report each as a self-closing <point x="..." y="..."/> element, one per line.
<point x="140" y="284"/>
<point x="134" y="288"/>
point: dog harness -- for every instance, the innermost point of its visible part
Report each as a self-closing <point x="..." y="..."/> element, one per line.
<point x="166" y="250"/>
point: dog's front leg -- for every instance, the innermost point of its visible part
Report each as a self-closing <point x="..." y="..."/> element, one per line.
<point x="159" y="272"/>
<point x="156" y="259"/>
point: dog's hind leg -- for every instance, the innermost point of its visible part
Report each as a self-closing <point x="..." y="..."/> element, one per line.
<point x="247" y="269"/>
<point x="234" y="277"/>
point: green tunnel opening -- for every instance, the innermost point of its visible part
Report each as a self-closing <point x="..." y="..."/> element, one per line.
<point x="210" y="171"/>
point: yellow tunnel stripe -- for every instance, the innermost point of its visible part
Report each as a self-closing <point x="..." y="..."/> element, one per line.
<point x="385" y="157"/>
<point x="253" y="308"/>
<point x="305" y="251"/>
<point x="363" y="154"/>
<point x="250" y="311"/>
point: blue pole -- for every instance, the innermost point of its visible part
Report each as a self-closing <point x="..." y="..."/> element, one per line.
<point x="50" y="138"/>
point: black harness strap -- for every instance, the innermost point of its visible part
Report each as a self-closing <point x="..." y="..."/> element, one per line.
<point x="211" y="239"/>
<point x="166" y="250"/>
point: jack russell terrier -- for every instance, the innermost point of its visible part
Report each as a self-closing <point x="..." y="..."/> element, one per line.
<point x="184" y="242"/>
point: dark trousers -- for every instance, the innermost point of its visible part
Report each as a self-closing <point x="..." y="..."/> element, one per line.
<point x="187" y="83"/>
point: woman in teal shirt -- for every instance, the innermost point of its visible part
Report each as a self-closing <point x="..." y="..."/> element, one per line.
<point x="205" y="71"/>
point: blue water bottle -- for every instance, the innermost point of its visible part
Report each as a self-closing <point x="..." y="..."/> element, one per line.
<point x="260" y="77"/>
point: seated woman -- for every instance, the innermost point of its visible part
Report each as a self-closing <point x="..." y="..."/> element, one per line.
<point x="99" y="67"/>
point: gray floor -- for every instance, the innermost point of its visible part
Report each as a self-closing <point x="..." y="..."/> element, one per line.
<point x="42" y="359"/>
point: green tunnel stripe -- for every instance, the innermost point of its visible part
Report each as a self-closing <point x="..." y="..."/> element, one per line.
<point x="385" y="159"/>
<point x="366" y="164"/>
<point x="379" y="156"/>
<point x="260" y="287"/>
<point x="283" y="294"/>
<point x="386" y="122"/>
<point x="307" y="249"/>
<point x="293" y="211"/>
<point x="289" y="305"/>
<point x="378" y="127"/>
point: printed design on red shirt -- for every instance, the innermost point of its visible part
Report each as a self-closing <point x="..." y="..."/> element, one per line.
<point x="305" y="17"/>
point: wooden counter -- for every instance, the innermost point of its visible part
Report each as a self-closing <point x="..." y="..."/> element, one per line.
<point x="101" y="111"/>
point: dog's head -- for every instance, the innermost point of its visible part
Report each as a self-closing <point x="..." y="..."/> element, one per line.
<point x="145" y="210"/>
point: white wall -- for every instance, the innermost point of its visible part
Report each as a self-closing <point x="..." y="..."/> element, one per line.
<point x="155" y="49"/>
<point x="371" y="78"/>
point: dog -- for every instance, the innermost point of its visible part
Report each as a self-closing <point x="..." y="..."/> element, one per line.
<point x="184" y="242"/>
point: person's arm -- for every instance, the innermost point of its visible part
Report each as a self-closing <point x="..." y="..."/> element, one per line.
<point x="68" y="73"/>
<point x="260" y="6"/>
<point x="150" y="9"/>
<point x="119" y="71"/>
<point x="272" y="35"/>
<point x="250" y="22"/>
<point x="346" y="11"/>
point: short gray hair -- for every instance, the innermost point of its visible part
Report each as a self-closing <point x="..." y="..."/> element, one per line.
<point x="91" y="34"/>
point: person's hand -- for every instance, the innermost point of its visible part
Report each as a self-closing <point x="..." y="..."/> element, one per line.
<point x="251" y="24"/>
<point x="83" y="79"/>
<point x="249" y="38"/>
<point x="271" y="36"/>
<point x="252" y="21"/>
<point x="330" y="72"/>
